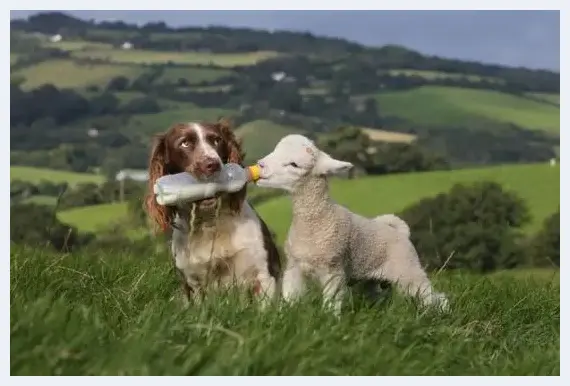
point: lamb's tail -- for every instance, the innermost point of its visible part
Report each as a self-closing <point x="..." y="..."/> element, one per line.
<point x="395" y="222"/>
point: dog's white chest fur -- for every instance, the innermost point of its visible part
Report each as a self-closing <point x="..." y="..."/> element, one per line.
<point x="196" y="254"/>
<point x="234" y="246"/>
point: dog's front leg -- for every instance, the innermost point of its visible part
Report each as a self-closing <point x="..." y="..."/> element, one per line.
<point x="252" y="271"/>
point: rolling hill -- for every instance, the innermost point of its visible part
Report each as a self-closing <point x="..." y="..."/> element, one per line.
<point x="537" y="184"/>
<point x="260" y="137"/>
<point x="70" y="74"/>
<point x="36" y="175"/>
<point x="435" y="105"/>
<point x="94" y="218"/>
<point x="158" y="57"/>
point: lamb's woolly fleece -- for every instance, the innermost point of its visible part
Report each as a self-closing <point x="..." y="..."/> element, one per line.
<point x="330" y="242"/>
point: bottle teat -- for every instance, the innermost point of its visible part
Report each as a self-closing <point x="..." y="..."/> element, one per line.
<point x="254" y="172"/>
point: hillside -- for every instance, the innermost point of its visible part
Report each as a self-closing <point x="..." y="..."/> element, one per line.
<point x="36" y="175"/>
<point x="538" y="185"/>
<point x="94" y="218"/>
<point x="260" y="137"/>
<point x="130" y="82"/>
<point x="432" y="105"/>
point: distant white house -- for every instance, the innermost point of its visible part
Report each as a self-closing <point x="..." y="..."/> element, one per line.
<point x="132" y="174"/>
<point x="93" y="132"/>
<point x="55" y="38"/>
<point x="278" y="76"/>
<point x="127" y="46"/>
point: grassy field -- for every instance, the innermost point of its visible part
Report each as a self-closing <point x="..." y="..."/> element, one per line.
<point x="192" y="75"/>
<point x="457" y="106"/>
<point x="261" y="136"/>
<point x="154" y="57"/>
<point x="148" y="124"/>
<point x="432" y="75"/>
<point x="66" y="73"/>
<point x="116" y="313"/>
<point x="388" y="136"/>
<point x="538" y="185"/>
<point x="78" y="45"/>
<point x="41" y="200"/>
<point x="94" y="218"/>
<point x="36" y="175"/>
<point x="551" y="98"/>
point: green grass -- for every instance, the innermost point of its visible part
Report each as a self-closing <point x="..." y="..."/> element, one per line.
<point x="432" y="75"/>
<point x="192" y="75"/>
<point x="206" y="89"/>
<point x="551" y="98"/>
<point x="78" y="45"/>
<point x="431" y="105"/>
<point x="538" y="185"/>
<point x="260" y="137"/>
<point x="13" y="58"/>
<point x="388" y="136"/>
<point x="66" y="73"/>
<point x="155" y="57"/>
<point x="94" y="218"/>
<point x="148" y="124"/>
<point x="113" y="313"/>
<point x="36" y="175"/>
<point x="41" y="200"/>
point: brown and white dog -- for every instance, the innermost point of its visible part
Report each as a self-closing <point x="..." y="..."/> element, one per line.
<point x="220" y="240"/>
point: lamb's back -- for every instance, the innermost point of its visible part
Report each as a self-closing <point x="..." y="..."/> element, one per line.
<point x="370" y="243"/>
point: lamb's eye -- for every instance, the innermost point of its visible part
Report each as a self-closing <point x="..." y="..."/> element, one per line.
<point x="185" y="144"/>
<point x="293" y="164"/>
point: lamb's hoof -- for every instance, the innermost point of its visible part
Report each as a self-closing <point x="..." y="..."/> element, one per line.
<point x="440" y="301"/>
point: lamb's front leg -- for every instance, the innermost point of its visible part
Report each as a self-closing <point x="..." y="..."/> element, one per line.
<point x="293" y="281"/>
<point x="334" y="288"/>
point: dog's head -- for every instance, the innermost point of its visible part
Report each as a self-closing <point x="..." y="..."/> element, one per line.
<point x="295" y="158"/>
<point x="199" y="148"/>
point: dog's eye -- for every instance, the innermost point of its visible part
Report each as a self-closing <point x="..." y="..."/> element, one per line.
<point x="185" y="144"/>
<point x="216" y="141"/>
<point x="293" y="164"/>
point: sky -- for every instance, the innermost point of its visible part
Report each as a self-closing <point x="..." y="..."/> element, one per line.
<point x="514" y="38"/>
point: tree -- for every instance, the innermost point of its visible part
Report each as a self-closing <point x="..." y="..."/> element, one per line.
<point x="470" y="227"/>
<point x="38" y="225"/>
<point x="118" y="83"/>
<point x="545" y="246"/>
<point x="347" y="143"/>
<point x="144" y="105"/>
<point x="389" y="157"/>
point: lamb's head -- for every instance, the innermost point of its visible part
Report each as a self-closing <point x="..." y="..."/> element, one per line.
<point x="294" y="160"/>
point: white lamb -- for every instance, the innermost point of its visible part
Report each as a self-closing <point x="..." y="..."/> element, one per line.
<point x="332" y="244"/>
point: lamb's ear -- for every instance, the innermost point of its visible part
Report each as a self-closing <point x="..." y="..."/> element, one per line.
<point x="326" y="165"/>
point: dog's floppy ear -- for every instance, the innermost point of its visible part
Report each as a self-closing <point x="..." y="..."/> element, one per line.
<point x="326" y="165"/>
<point x="157" y="167"/>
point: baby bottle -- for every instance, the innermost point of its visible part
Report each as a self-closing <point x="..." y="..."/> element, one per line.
<point x="183" y="187"/>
